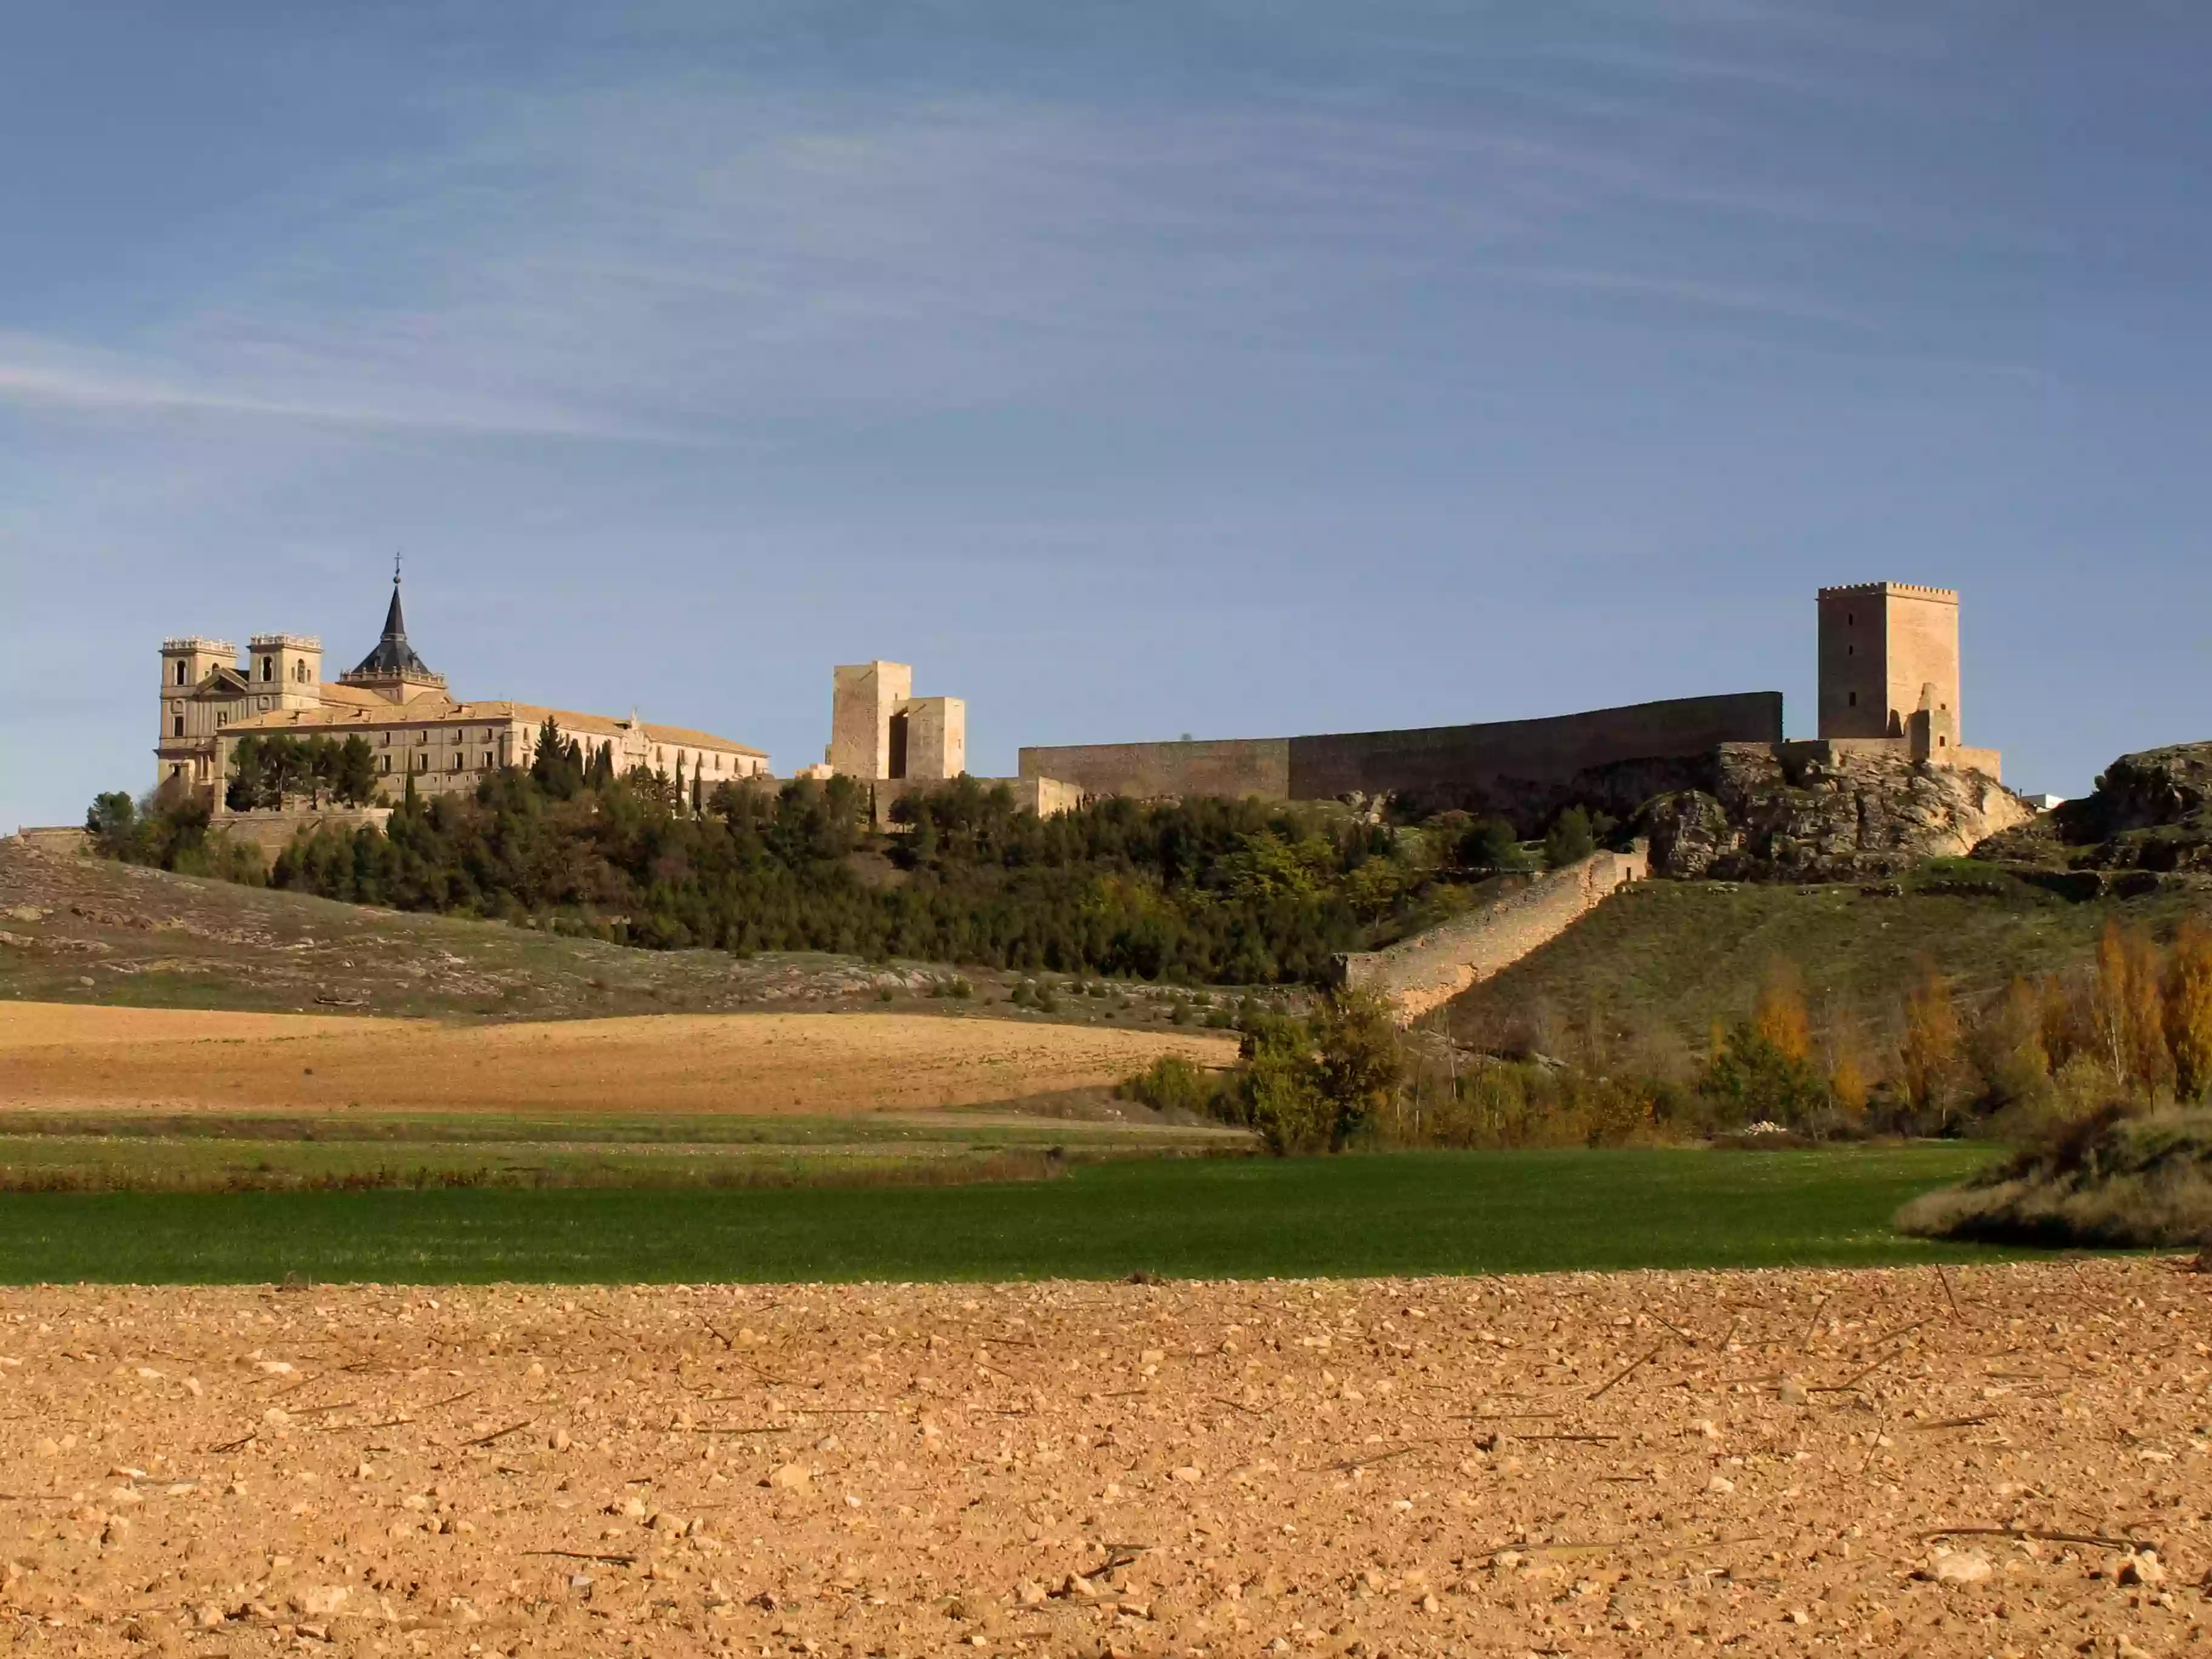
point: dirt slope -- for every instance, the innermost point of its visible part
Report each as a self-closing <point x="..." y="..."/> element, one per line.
<point x="1656" y="1463"/>
<point x="80" y="1058"/>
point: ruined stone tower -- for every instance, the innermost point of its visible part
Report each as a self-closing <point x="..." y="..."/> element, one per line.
<point x="1889" y="650"/>
<point x="879" y="730"/>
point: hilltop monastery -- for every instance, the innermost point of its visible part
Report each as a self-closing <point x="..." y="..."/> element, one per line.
<point x="393" y="699"/>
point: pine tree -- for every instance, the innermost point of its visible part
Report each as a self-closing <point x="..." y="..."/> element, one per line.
<point x="354" y="776"/>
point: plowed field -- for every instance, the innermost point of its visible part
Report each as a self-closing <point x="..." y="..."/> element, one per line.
<point x="2014" y="1461"/>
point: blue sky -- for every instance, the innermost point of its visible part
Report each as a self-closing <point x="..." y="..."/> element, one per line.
<point x="1130" y="369"/>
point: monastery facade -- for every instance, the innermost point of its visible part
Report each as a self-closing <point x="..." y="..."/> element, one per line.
<point x="395" y="702"/>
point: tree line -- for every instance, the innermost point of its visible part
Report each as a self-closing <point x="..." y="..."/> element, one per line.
<point x="1203" y="891"/>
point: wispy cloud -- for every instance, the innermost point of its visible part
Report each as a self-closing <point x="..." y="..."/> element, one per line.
<point x="1774" y="304"/>
<point x="685" y="257"/>
<point x="36" y="372"/>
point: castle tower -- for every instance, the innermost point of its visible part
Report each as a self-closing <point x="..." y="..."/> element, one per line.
<point x="289" y="666"/>
<point x="936" y="731"/>
<point x="865" y="698"/>
<point x="1889" y="653"/>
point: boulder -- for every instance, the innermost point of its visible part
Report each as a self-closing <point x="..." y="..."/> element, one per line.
<point x="2151" y="811"/>
<point x="1806" y="813"/>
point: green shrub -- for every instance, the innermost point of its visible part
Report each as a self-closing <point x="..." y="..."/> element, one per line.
<point x="1569" y="840"/>
<point x="1172" y="1084"/>
<point x="1750" y="1078"/>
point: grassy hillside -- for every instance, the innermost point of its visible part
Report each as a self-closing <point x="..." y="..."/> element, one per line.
<point x="92" y="930"/>
<point x="1652" y="970"/>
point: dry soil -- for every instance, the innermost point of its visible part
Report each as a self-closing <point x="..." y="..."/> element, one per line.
<point x="1752" y="1463"/>
<point x="64" y="1056"/>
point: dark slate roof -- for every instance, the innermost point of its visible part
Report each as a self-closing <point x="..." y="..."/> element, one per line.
<point x="393" y="656"/>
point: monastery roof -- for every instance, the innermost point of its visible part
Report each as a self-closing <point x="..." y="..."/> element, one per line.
<point x="357" y="710"/>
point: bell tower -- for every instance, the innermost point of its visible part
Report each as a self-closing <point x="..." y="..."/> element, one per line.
<point x="287" y="667"/>
<point x="181" y="749"/>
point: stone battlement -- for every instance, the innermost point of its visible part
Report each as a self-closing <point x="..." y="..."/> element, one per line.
<point x="1913" y="588"/>
<point x="202" y="643"/>
<point x="284" y="642"/>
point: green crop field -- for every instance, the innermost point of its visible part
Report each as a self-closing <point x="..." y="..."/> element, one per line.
<point x="1381" y="1214"/>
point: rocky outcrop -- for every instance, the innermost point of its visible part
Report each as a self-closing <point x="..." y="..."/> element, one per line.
<point x="1813" y="812"/>
<point x="2151" y="810"/>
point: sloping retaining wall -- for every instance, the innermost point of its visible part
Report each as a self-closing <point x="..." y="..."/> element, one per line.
<point x="1430" y="969"/>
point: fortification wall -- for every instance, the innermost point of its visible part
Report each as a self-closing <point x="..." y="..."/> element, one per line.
<point x="1443" y="763"/>
<point x="64" y="838"/>
<point x="1837" y="752"/>
<point x="1234" y="767"/>
<point x="272" y="832"/>
<point x="1044" y="796"/>
<point x="1510" y="766"/>
<point x="1429" y="969"/>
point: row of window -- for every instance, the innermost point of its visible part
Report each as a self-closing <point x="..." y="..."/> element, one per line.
<point x="422" y="764"/>
<point x="446" y="734"/>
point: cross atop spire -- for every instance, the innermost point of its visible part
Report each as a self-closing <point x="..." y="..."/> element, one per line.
<point x="393" y="657"/>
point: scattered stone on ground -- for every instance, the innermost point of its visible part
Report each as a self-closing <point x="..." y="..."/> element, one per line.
<point x="1572" y="1464"/>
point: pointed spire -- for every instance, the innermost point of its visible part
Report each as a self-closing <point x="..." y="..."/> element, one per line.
<point x="393" y="657"/>
<point x="395" y="620"/>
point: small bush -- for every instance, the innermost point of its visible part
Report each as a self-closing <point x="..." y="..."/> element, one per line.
<point x="1173" y="1085"/>
<point x="2109" y="1178"/>
<point x="1569" y="840"/>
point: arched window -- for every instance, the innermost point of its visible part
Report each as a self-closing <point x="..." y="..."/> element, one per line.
<point x="180" y="726"/>
<point x="269" y="668"/>
<point x="180" y="670"/>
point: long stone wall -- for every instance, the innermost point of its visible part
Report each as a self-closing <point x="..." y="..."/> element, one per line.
<point x="272" y="832"/>
<point x="1430" y="969"/>
<point x="67" y="838"/>
<point x="1234" y="767"/>
<point x="1516" y="767"/>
